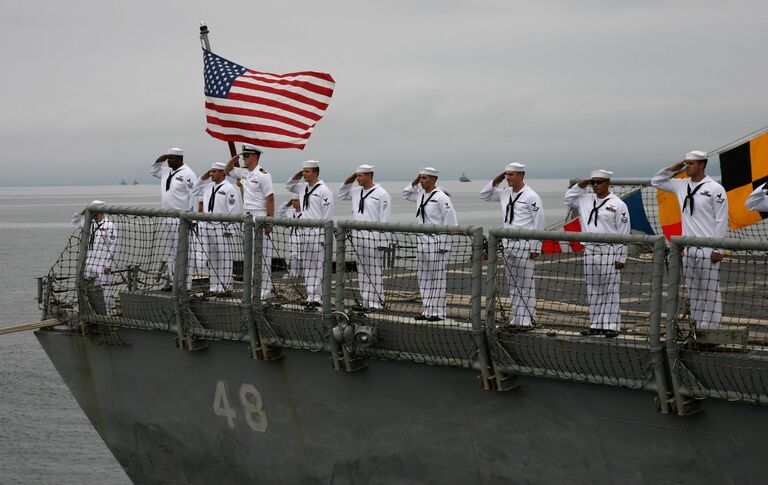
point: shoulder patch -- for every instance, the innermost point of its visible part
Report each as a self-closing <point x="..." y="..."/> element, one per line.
<point x="263" y="170"/>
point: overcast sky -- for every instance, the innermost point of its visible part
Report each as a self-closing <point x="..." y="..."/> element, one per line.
<point x="94" y="91"/>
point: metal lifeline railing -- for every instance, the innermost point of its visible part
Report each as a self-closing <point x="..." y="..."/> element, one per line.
<point x="555" y="296"/>
<point x="728" y="362"/>
<point x="716" y="330"/>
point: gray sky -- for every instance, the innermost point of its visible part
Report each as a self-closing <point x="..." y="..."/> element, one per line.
<point x="93" y="92"/>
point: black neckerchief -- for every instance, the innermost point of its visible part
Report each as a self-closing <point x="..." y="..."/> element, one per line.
<point x="596" y="208"/>
<point x="307" y="193"/>
<point x="170" y="177"/>
<point x="509" y="214"/>
<point x="92" y="237"/>
<point x="423" y="204"/>
<point x="361" y="205"/>
<point x="212" y="200"/>
<point x="690" y="195"/>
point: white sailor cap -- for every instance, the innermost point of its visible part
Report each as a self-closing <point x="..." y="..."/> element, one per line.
<point x="175" y="151"/>
<point x="515" y="167"/>
<point x="600" y="174"/>
<point x="294" y="196"/>
<point x="218" y="166"/>
<point x="429" y="171"/>
<point x="97" y="202"/>
<point x="311" y="164"/>
<point x="248" y="148"/>
<point x="364" y="168"/>
<point x="696" y="155"/>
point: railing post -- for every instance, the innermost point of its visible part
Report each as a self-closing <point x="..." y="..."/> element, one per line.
<point x="328" y="318"/>
<point x="180" y="293"/>
<point x="248" y="284"/>
<point x="341" y="258"/>
<point x="84" y="308"/>
<point x="476" y="291"/>
<point x="654" y="337"/>
<point x="490" y="281"/>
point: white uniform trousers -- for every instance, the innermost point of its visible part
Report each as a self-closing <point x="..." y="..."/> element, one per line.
<point x="94" y="268"/>
<point x="520" y="278"/>
<point x="311" y="255"/>
<point x="370" y="262"/>
<point x="294" y="249"/>
<point x="219" y="249"/>
<point x="432" y="276"/>
<point x="170" y="237"/>
<point x="702" y="277"/>
<point x="266" y="267"/>
<point x="603" y="286"/>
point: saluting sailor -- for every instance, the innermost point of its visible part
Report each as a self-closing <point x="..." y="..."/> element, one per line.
<point x="316" y="202"/>
<point x="219" y="197"/>
<point x="522" y="209"/>
<point x="259" y="200"/>
<point x="177" y="182"/>
<point x="292" y="210"/>
<point x="704" y="206"/>
<point x="758" y="199"/>
<point x="433" y="206"/>
<point x="604" y="213"/>
<point x="102" y="248"/>
<point x="370" y="203"/>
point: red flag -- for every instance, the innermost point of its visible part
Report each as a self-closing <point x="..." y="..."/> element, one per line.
<point x="557" y="247"/>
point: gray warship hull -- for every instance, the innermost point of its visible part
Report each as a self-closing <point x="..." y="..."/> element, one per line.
<point x="155" y="407"/>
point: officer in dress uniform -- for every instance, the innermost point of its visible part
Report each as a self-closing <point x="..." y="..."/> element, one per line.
<point x="704" y="208"/>
<point x="177" y="182"/>
<point x="316" y="202"/>
<point x="758" y="199"/>
<point x="259" y="200"/>
<point x="601" y="212"/>
<point x="522" y="209"/>
<point x="219" y="197"/>
<point x="433" y="206"/>
<point x="102" y="248"/>
<point x="292" y="210"/>
<point x="370" y="203"/>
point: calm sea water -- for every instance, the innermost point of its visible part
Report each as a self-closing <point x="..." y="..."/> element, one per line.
<point x="44" y="436"/>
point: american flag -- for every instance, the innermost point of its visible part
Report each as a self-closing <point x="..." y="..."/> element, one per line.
<point x="269" y="110"/>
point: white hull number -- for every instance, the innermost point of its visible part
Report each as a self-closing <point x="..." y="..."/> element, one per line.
<point x="250" y="401"/>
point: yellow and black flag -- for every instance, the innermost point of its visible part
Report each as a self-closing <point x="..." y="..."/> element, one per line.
<point x="743" y="169"/>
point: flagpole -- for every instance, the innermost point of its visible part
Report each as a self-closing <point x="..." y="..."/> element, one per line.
<point x="207" y="46"/>
<point x="738" y="141"/>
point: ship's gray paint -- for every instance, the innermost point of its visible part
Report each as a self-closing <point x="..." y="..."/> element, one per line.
<point x="395" y="422"/>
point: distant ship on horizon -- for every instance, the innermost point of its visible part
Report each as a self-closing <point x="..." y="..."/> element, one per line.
<point x="464" y="178"/>
<point x="123" y="182"/>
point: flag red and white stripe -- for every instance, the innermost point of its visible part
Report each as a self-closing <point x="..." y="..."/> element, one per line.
<point x="270" y="110"/>
<point x="557" y="247"/>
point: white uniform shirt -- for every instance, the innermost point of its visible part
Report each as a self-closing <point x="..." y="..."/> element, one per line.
<point x="710" y="204"/>
<point x="257" y="186"/>
<point x="377" y="204"/>
<point x="316" y="202"/>
<point x="432" y="208"/>
<point x="610" y="217"/>
<point x="102" y="245"/>
<point x="522" y="210"/>
<point x="288" y="211"/>
<point x="758" y="199"/>
<point x="179" y="194"/>
<point x="222" y="198"/>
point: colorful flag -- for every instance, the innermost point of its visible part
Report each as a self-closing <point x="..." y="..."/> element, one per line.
<point x="743" y="169"/>
<point x="269" y="110"/>
<point x="670" y="217"/>
<point x="638" y="219"/>
<point x="557" y="247"/>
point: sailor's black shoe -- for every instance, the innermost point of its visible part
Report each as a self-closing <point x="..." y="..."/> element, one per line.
<point x="610" y="333"/>
<point x="591" y="331"/>
<point x="434" y="318"/>
<point x="420" y="317"/>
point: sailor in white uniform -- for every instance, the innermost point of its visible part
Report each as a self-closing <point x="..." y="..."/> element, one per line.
<point x="316" y="201"/>
<point x="704" y="206"/>
<point x="102" y="248"/>
<point x="292" y="210"/>
<point x="522" y="209"/>
<point x="758" y="199"/>
<point x="370" y="202"/>
<point x="605" y="213"/>
<point x="177" y="182"/>
<point x="219" y="197"/>
<point x="259" y="200"/>
<point x="433" y="206"/>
